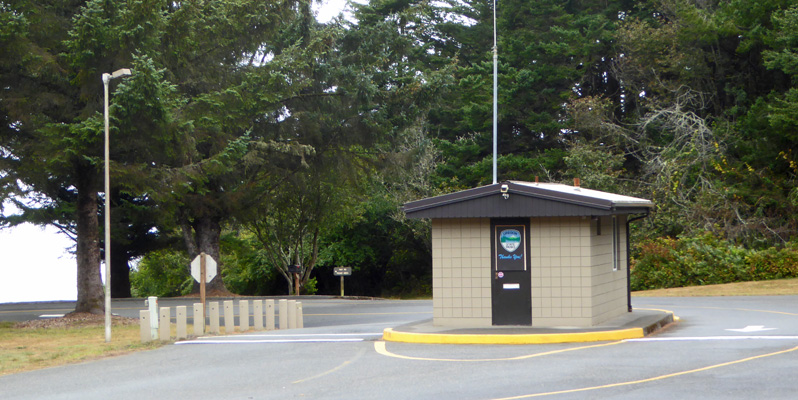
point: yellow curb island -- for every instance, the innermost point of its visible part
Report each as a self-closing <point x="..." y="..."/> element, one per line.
<point x="391" y="335"/>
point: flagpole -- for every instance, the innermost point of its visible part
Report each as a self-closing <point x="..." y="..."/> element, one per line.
<point x="495" y="95"/>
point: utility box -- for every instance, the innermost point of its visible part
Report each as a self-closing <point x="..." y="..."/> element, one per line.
<point x="530" y="254"/>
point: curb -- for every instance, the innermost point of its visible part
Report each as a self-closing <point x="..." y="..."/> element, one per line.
<point x="391" y="335"/>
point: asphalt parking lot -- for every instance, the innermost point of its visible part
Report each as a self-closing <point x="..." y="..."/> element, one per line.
<point x="721" y="348"/>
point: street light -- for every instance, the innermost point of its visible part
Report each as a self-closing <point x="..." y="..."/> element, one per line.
<point x="106" y="80"/>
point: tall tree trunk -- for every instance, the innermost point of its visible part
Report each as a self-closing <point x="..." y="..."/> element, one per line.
<point x="203" y="236"/>
<point x="90" y="290"/>
<point x="120" y="273"/>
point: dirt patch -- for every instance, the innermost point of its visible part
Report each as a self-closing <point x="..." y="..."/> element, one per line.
<point x="72" y="320"/>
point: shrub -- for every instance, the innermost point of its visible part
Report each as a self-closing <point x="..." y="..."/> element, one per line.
<point x="774" y="263"/>
<point x="687" y="261"/>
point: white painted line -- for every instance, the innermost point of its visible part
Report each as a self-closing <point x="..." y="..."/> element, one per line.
<point x="51" y="315"/>
<point x="706" y="338"/>
<point x="315" y="335"/>
<point x="752" y="328"/>
<point x="201" y="341"/>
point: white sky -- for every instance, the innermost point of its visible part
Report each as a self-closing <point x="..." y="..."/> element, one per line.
<point x="34" y="262"/>
<point x="35" y="266"/>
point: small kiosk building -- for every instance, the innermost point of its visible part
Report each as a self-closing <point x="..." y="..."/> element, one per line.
<point x="534" y="254"/>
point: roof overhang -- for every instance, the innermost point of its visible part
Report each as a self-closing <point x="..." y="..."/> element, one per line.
<point x="526" y="199"/>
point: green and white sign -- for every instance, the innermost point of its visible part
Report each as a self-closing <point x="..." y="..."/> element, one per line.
<point x="510" y="249"/>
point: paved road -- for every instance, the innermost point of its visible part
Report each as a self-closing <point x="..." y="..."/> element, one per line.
<point x="723" y="348"/>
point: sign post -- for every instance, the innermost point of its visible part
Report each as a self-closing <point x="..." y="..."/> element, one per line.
<point x="342" y="272"/>
<point x="203" y="269"/>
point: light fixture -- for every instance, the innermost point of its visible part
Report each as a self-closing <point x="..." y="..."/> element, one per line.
<point x="106" y="80"/>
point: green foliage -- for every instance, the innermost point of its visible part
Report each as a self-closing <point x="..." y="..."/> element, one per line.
<point x="163" y="273"/>
<point x="707" y="260"/>
<point x="773" y="263"/>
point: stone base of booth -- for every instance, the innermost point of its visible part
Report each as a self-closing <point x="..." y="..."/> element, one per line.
<point x="634" y="325"/>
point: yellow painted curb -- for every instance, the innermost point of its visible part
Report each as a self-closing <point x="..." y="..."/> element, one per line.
<point x="391" y="335"/>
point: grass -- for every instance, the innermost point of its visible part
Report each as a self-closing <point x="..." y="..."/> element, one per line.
<point x="26" y="349"/>
<point x="757" y="288"/>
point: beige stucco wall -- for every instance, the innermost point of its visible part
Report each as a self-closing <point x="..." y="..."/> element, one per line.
<point x="461" y="272"/>
<point x="573" y="281"/>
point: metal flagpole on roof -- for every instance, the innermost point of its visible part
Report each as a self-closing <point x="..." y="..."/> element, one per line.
<point x="495" y="95"/>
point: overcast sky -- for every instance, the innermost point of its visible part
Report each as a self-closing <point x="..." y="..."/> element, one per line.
<point x="34" y="262"/>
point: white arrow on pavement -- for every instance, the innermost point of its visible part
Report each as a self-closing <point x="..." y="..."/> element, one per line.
<point x="752" y="328"/>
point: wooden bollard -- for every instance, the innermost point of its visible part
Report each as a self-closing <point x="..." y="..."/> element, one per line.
<point x="181" y="318"/>
<point x="283" y="311"/>
<point x="164" y="324"/>
<point x="291" y="314"/>
<point x="213" y="311"/>
<point x="144" y="326"/>
<point x="300" y="323"/>
<point x="243" y="315"/>
<point x="199" y="319"/>
<point x="269" y="306"/>
<point x="257" y="314"/>
<point x="229" y="317"/>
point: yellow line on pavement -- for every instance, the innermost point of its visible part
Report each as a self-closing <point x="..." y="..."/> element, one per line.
<point x="653" y="379"/>
<point x="344" y="364"/>
<point x="379" y="347"/>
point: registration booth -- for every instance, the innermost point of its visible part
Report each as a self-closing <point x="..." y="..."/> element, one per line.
<point x="534" y="254"/>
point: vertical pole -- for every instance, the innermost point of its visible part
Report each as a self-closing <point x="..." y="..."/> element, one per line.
<point x="106" y="80"/>
<point x="495" y="97"/>
<point x="342" y="286"/>
<point x="296" y="284"/>
<point x="202" y="283"/>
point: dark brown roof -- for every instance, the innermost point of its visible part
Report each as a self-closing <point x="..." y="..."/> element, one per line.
<point x="526" y="199"/>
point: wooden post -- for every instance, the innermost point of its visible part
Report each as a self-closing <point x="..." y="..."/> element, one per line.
<point x="282" y="306"/>
<point x="296" y="284"/>
<point x="214" y="322"/>
<point x="342" y="286"/>
<point x="269" y="305"/>
<point x="229" y="317"/>
<point x="257" y="317"/>
<point x="243" y="315"/>
<point x="199" y="320"/>
<point x="291" y="314"/>
<point x="165" y="325"/>
<point x="202" y="283"/>
<point x="182" y="317"/>
<point x="144" y="326"/>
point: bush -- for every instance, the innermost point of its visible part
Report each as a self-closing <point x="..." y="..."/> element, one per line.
<point x="774" y="263"/>
<point x="705" y="260"/>
<point x="687" y="261"/>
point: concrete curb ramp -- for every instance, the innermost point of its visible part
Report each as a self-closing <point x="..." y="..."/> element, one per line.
<point x="644" y="327"/>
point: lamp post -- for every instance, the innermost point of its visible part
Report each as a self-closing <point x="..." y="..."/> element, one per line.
<point x="106" y="80"/>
